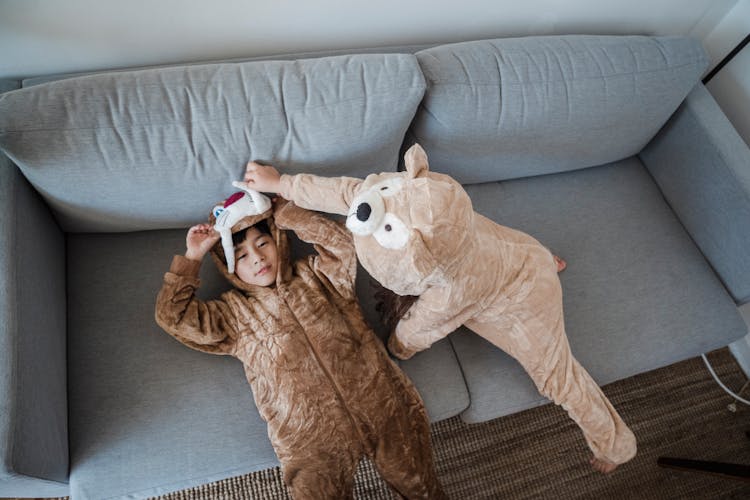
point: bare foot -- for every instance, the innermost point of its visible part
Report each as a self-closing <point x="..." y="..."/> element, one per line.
<point x="602" y="466"/>
<point x="561" y="264"/>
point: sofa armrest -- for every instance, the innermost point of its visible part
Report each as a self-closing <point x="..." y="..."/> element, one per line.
<point x="33" y="394"/>
<point x="702" y="167"/>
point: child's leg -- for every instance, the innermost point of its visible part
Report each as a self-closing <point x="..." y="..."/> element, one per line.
<point x="326" y="475"/>
<point x="569" y="385"/>
<point x="403" y="452"/>
<point x="559" y="377"/>
<point x="531" y="329"/>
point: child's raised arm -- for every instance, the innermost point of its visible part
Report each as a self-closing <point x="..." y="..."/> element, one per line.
<point x="263" y="178"/>
<point x="326" y="194"/>
<point x="199" y="240"/>
<point x="205" y="326"/>
<point x="336" y="260"/>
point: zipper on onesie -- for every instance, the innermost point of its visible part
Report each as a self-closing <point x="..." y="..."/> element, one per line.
<point x="282" y="292"/>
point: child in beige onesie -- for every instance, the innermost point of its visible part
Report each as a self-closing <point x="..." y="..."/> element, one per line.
<point x="417" y="234"/>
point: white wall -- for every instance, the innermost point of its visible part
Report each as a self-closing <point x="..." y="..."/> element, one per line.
<point x="40" y="37"/>
<point x="731" y="86"/>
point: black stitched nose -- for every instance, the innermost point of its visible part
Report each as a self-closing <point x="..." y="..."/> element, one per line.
<point x="363" y="211"/>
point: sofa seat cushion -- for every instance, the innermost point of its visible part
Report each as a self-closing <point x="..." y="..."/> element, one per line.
<point x="149" y="415"/>
<point x="637" y="293"/>
<point x="439" y="380"/>
<point x="435" y="372"/>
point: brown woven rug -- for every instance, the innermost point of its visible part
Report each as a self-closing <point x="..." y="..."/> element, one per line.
<point x="540" y="453"/>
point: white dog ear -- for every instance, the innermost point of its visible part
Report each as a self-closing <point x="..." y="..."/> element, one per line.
<point x="261" y="202"/>
<point x="415" y="160"/>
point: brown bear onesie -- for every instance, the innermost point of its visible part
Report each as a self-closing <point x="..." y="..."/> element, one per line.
<point x="320" y="377"/>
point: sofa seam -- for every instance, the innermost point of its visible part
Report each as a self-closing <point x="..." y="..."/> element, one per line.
<point x="363" y="98"/>
<point x="14" y="411"/>
<point x="232" y="473"/>
<point x="512" y="410"/>
<point x="535" y="82"/>
<point x="196" y="65"/>
<point x="463" y="374"/>
<point x="14" y="475"/>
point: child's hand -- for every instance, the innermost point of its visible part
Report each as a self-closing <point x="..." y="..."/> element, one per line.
<point x="263" y="178"/>
<point x="200" y="239"/>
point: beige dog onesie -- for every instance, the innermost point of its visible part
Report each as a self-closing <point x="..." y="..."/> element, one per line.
<point x="417" y="234"/>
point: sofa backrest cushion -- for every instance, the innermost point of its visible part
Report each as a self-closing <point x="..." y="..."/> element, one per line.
<point x="157" y="148"/>
<point x="515" y="107"/>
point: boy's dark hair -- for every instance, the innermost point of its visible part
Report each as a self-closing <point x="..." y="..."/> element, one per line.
<point x="392" y="307"/>
<point x="240" y="236"/>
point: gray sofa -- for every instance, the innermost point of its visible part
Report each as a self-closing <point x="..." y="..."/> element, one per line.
<point x="606" y="149"/>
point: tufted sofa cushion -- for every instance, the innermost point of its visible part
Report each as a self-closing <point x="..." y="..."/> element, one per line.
<point x="517" y="107"/>
<point x="156" y="148"/>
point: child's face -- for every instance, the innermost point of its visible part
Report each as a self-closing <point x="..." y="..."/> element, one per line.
<point x="256" y="258"/>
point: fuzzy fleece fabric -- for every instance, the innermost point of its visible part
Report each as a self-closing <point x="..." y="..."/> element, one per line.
<point x="417" y="234"/>
<point x="320" y="377"/>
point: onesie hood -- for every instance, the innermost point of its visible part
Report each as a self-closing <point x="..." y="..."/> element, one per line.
<point x="241" y="211"/>
<point x="413" y="229"/>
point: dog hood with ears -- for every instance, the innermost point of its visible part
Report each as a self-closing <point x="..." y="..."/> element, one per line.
<point x="442" y="212"/>
<point x="241" y="211"/>
<point x="412" y="229"/>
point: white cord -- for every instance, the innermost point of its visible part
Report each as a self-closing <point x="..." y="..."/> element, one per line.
<point x="726" y="389"/>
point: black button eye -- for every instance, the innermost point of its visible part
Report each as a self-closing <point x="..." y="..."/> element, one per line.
<point x="388" y="227"/>
<point x="363" y="212"/>
<point x="384" y="188"/>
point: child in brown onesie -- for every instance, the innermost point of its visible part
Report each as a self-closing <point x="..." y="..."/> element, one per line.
<point x="321" y="379"/>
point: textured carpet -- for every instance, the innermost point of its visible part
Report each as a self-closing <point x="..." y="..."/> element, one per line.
<point x="540" y="453"/>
